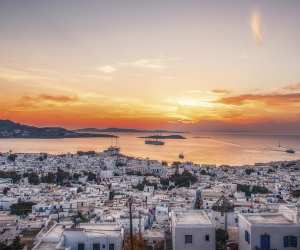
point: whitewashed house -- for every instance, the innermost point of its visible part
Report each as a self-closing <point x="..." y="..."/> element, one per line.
<point x="270" y="231"/>
<point x="193" y="230"/>
<point x="84" y="237"/>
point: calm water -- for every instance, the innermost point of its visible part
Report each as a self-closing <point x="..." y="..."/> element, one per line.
<point x="209" y="148"/>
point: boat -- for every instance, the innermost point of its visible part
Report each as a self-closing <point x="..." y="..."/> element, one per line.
<point x="154" y="142"/>
<point x="290" y="151"/>
<point x="112" y="150"/>
<point x="181" y="156"/>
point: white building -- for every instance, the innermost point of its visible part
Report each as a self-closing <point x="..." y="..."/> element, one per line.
<point x="193" y="230"/>
<point x="268" y="231"/>
<point x="85" y="237"/>
<point x="161" y="213"/>
<point x="6" y="202"/>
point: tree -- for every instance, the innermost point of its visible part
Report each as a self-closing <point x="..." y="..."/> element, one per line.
<point x="49" y="178"/>
<point x="159" y="245"/>
<point x="61" y="176"/>
<point x="164" y="163"/>
<point x="164" y="182"/>
<point x="21" y="208"/>
<point x="221" y="238"/>
<point x="141" y="185"/>
<point x="138" y="243"/>
<point x="296" y="193"/>
<point x="76" y="176"/>
<point x="16" y="245"/>
<point x="12" y="157"/>
<point x="248" y="190"/>
<point x="248" y="171"/>
<point x="111" y="195"/>
<point x="203" y="172"/>
<point x="10" y="174"/>
<point x="33" y="179"/>
<point x="183" y="180"/>
<point x="43" y="156"/>
<point x="91" y="176"/>
<point x="5" y="190"/>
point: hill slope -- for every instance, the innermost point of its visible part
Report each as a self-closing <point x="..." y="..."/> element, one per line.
<point x="10" y="129"/>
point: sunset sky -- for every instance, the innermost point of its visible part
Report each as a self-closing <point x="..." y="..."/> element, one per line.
<point x="188" y="65"/>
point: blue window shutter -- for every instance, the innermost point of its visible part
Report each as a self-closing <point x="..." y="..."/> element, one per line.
<point x="285" y="241"/>
<point x="294" y="241"/>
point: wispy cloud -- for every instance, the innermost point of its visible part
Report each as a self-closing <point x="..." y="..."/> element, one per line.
<point x="107" y="69"/>
<point x="269" y="99"/>
<point x="106" y="77"/>
<point x="221" y="91"/>
<point x="148" y="63"/>
<point x="13" y="74"/>
<point x="293" y="87"/>
<point x="256" y="26"/>
<point x="38" y="100"/>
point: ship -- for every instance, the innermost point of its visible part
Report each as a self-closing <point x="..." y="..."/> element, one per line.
<point x="155" y="142"/>
<point x="112" y="151"/>
<point x="290" y="151"/>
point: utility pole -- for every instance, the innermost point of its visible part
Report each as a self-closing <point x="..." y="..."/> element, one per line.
<point x="130" y="221"/>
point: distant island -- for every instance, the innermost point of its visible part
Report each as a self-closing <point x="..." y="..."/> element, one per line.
<point x="175" y="137"/>
<point x="123" y="130"/>
<point x="10" y="129"/>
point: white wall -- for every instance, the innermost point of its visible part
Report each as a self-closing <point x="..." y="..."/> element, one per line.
<point x="72" y="238"/>
<point x="276" y="232"/>
<point x="198" y="234"/>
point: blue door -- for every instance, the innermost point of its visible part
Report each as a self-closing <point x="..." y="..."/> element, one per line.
<point x="265" y="241"/>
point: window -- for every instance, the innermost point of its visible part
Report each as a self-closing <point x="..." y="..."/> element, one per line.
<point x="111" y="246"/>
<point x="247" y="236"/>
<point x="80" y="246"/>
<point x="188" y="239"/>
<point x="207" y="237"/>
<point x="265" y="241"/>
<point x="290" y="241"/>
<point x="96" y="246"/>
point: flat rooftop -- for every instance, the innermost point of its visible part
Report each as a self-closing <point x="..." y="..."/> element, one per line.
<point x="53" y="236"/>
<point x="267" y="219"/>
<point x="192" y="217"/>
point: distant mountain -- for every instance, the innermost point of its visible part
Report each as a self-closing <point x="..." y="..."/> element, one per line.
<point x="176" y="137"/>
<point x="122" y="130"/>
<point x="10" y="129"/>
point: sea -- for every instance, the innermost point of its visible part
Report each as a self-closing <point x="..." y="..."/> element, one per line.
<point x="202" y="148"/>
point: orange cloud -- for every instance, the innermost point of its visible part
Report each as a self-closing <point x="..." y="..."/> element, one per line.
<point x="269" y="99"/>
<point x="293" y="87"/>
<point x="221" y="91"/>
<point x="52" y="98"/>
